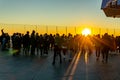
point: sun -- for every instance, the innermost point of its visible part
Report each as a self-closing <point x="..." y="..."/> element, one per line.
<point x="86" y="31"/>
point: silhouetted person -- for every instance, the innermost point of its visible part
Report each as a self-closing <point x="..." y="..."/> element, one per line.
<point x="97" y="46"/>
<point x="5" y="39"/>
<point x="57" y="49"/>
<point x="118" y="43"/>
<point x="46" y="44"/>
<point x="64" y="45"/>
<point x="41" y="43"/>
<point x="105" y="47"/>
<point x="37" y="43"/>
<point x="52" y="41"/>
<point x="16" y="40"/>
<point x="33" y="41"/>
<point x="26" y="43"/>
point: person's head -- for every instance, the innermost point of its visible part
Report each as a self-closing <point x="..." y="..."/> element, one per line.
<point x="27" y="32"/>
<point x="37" y="34"/>
<point x="106" y="34"/>
<point x="40" y="35"/>
<point x="57" y="35"/>
<point x="33" y="31"/>
<point x="98" y="35"/>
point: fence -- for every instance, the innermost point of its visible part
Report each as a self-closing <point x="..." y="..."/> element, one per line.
<point x="42" y="29"/>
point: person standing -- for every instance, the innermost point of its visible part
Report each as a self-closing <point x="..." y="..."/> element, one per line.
<point x="97" y="46"/>
<point x="41" y="42"/>
<point x="105" y="47"/>
<point x="57" y="49"/>
<point x="26" y="43"/>
<point x="33" y="43"/>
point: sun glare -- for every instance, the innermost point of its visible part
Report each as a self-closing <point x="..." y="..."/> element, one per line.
<point x="86" y="32"/>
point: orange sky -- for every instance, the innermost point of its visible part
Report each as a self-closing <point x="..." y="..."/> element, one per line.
<point x="52" y="13"/>
<point x="41" y="29"/>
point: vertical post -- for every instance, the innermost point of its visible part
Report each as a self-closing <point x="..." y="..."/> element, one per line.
<point x="46" y="29"/>
<point x="75" y="30"/>
<point x="24" y="29"/>
<point x="12" y="29"/>
<point x="107" y="30"/>
<point x="92" y="31"/>
<point x="0" y="25"/>
<point x="3" y="26"/>
<point x="100" y="31"/>
<point x="66" y="30"/>
<point x="36" y="28"/>
<point x="56" y="29"/>
<point x="114" y="31"/>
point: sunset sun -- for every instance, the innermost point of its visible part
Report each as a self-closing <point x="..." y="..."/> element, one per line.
<point x="86" y="31"/>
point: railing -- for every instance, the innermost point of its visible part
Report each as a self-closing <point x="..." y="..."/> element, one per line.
<point x="42" y="29"/>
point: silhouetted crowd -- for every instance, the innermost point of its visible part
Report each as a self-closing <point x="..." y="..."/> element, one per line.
<point x="38" y="44"/>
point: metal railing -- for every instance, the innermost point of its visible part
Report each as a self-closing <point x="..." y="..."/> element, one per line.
<point x="42" y="29"/>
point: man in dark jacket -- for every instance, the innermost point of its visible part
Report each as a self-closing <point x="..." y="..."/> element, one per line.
<point x="57" y="48"/>
<point x="33" y="42"/>
<point x="26" y="43"/>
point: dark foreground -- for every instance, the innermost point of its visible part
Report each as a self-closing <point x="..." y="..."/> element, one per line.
<point x="82" y="67"/>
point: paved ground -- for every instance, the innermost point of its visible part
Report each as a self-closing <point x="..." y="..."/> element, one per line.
<point x="82" y="67"/>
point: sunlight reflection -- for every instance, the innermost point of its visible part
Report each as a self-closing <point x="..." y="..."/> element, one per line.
<point x="74" y="67"/>
<point x="86" y="57"/>
<point x="86" y="61"/>
<point x="11" y="51"/>
<point x="69" y="68"/>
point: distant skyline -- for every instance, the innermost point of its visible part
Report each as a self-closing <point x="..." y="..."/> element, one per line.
<point x="81" y="13"/>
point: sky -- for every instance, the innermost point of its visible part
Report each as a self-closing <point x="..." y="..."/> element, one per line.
<point x="85" y="13"/>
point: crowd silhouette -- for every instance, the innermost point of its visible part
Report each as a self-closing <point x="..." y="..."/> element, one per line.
<point x="37" y="44"/>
